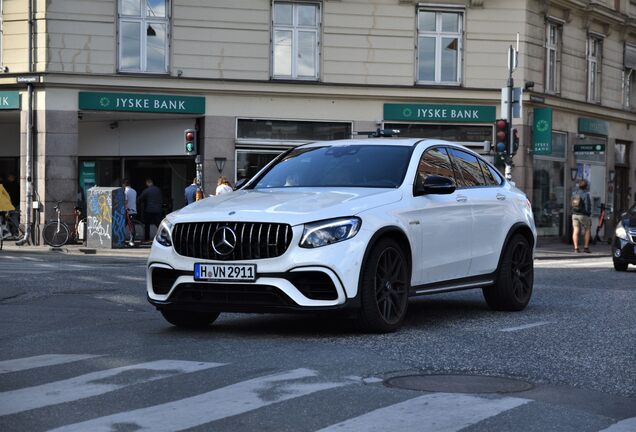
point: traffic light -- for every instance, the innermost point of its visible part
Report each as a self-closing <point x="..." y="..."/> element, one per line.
<point x="501" y="136"/>
<point x="190" y="139"/>
<point x="515" y="141"/>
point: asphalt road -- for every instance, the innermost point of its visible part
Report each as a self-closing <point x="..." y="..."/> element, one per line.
<point x="81" y="350"/>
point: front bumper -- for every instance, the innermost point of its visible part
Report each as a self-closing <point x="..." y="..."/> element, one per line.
<point x="300" y="279"/>
<point x="623" y="251"/>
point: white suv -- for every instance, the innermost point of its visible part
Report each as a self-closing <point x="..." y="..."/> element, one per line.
<point x="352" y="224"/>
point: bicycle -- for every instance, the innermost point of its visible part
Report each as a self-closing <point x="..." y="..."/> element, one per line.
<point x="57" y="233"/>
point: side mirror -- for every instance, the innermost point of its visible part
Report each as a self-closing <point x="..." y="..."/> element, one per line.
<point x="239" y="184"/>
<point x="434" y="185"/>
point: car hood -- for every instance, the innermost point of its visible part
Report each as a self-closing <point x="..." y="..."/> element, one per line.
<point x="291" y="205"/>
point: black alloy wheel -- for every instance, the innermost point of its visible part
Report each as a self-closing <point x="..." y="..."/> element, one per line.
<point x="385" y="282"/>
<point x="513" y="286"/>
<point x="620" y="266"/>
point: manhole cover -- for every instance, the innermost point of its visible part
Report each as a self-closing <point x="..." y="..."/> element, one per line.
<point x="459" y="383"/>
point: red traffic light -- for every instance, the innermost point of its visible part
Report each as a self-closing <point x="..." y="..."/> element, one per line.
<point x="501" y="124"/>
<point x="189" y="136"/>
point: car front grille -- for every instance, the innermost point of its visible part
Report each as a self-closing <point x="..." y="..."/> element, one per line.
<point x="251" y="240"/>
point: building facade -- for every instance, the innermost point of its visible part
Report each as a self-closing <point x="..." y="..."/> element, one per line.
<point x="115" y="83"/>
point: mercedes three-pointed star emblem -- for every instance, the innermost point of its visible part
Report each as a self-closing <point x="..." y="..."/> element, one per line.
<point x="224" y="241"/>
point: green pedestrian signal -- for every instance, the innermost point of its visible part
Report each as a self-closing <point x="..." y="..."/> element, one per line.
<point x="190" y="136"/>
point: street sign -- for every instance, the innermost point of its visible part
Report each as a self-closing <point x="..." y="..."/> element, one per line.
<point x="589" y="149"/>
<point x="27" y="79"/>
<point x="517" y="108"/>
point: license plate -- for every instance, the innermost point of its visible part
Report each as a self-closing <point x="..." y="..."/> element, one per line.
<point x="225" y="272"/>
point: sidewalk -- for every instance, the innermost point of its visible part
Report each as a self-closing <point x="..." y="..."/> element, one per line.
<point x="142" y="251"/>
<point x="555" y="249"/>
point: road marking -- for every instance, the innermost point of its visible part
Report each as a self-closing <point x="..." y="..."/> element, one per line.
<point x="94" y="384"/>
<point x="429" y="413"/>
<point x="627" y="425"/>
<point x="197" y="410"/>
<point x="525" y="326"/>
<point x="21" y="364"/>
<point x="132" y="278"/>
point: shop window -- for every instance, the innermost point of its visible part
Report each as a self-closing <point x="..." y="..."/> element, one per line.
<point x="249" y="162"/>
<point x="143" y="35"/>
<point x="559" y="141"/>
<point x="283" y="130"/>
<point x="594" y="68"/>
<point x="553" y="57"/>
<point x="439" y="46"/>
<point x="295" y="40"/>
<point x="548" y="197"/>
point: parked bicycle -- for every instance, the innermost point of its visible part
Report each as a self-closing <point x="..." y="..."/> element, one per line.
<point x="57" y="233"/>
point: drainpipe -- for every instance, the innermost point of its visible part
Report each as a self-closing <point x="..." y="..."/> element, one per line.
<point x="29" y="137"/>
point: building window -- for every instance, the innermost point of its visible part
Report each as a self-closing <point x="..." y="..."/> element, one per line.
<point x="143" y="36"/>
<point x="594" y="67"/>
<point x="553" y="57"/>
<point x="298" y="131"/>
<point x="295" y="40"/>
<point x="439" y="45"/>
<point x="629" y="77"/>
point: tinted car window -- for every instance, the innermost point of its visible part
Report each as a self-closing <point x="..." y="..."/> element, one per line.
<point x="375" y="166"/>
<point x="468" y="167"/>
<point x="435" y="161"/>
<point x="491" y="178"/>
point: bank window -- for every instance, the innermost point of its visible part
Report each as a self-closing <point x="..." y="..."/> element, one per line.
<point x="439" y="46"/>
<point x="553" y="57"/>
<point x="143" y="35"/>
<point x="594" y="67"/>
<point x="295" y="40"/>
<point x="287" y="130"/>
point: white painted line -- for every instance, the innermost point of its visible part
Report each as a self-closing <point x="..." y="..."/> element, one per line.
<point x="627" y="425"/>
<point x="26" y="363"/>
<point x="429" y="413"/>
<point x="94" y="384"/>
<point x="132" y="278"/>
<point x="207" y="407"/>
<point x="525" y="326"/>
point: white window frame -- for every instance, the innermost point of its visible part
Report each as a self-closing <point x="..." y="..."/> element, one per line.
<point x="553" y="77"/>
<point x="439" y="35"/>
<point x="594" y="68"/>
<point x="144" y="21"/>
<point x="295" y="28"/>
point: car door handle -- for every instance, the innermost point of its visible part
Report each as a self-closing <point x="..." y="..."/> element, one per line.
<point x="501" y="197"/>
<point x="461" y="198"/>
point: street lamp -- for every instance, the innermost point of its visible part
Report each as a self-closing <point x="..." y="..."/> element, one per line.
<point x="573" y="173"/>
<point x="220" y="163"/>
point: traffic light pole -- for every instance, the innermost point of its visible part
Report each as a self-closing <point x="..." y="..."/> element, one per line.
<point x="509" y="144"/>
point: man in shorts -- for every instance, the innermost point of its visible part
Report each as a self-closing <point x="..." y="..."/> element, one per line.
<point x="581" y="211"/>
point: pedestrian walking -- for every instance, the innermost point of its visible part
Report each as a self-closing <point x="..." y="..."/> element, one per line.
<point x="131" y="197"/>
<point x="581" y="211"/>
<point x="190" y="192"/>
<point x="223" y="186"/>
<point x="152" y="203"/>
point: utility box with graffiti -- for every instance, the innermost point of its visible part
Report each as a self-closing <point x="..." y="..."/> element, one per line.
<point x="106" y="217"/>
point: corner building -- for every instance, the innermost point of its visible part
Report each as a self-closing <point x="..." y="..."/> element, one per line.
<point x="116" y="83"/>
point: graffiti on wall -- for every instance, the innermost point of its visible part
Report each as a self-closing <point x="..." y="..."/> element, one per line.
<point x="106" y="217"/>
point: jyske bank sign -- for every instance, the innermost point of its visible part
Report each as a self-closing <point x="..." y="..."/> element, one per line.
<point x="440" y="113"/>
<point x="141" y="103"/>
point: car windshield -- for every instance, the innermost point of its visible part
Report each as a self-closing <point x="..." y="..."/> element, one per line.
<point x="375" y="166"/>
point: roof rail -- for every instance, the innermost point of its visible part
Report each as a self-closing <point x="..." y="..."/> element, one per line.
<point x="380" y="133"/>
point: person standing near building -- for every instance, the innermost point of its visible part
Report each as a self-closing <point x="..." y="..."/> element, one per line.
<point x="13" y="189"/>
<point x="131" y="198"/>
<point x="190" y="192"/>
<point x="581" y="211"/>
<point x="152" y="203"/>
<point x="223" y="186"/>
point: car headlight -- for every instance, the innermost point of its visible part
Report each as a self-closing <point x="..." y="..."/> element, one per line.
<point x="164" y="233"/>
<point x="620" y="232"/>
<point x="326" y="232"/>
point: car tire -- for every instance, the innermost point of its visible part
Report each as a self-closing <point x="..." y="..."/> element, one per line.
<point x="384" y="288"/>
<point x="187" y="319"/>
<point x="513" y="284"/>
<point x="620" y="266"/>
